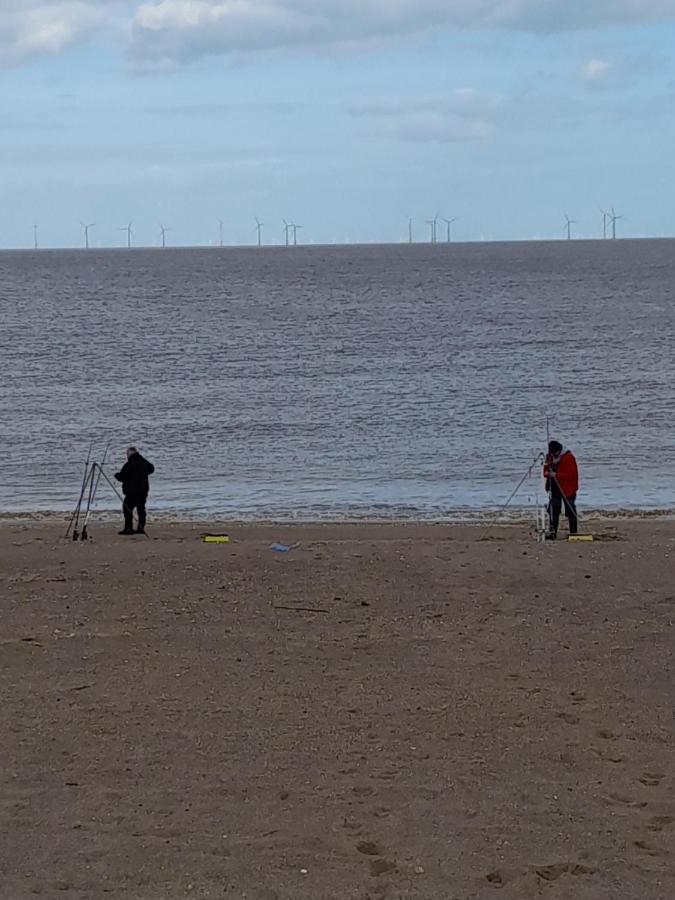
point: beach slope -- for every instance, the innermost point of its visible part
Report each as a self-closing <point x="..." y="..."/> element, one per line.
<point x="383" y="712"/>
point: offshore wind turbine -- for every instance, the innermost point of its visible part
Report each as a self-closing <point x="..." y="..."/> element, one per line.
<point x="85" y="229"/>
<point x="259" y="227"/>
<point x="163" y="232"/>
<point x="605" y="219"/>
<point x="295" y="233"/>
<point x="568" y="226"/>
<point x="410" y="231"/>
<point x="449" y="223"/>
<point x="220" y="232"/>
<point x="35" y="237"/>
<point x="614" y="218"/>
<point x="129" y="233"/>
<point x="432" y="230"/>
<point x="287" y="229"/>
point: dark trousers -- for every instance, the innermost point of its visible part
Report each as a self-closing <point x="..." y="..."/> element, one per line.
<point x="137" y="502"/>
<point x="555" y="508"/>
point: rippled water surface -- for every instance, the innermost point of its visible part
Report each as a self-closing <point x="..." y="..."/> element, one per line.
<point x="338" y="382"/>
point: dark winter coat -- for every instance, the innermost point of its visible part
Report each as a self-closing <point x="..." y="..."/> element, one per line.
<point x="134" y="476"/>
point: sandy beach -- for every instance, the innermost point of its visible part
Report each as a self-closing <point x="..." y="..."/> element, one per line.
<point x="385" y="712"/>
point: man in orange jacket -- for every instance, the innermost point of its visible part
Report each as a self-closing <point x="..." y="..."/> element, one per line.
<point x="562" y="483"/>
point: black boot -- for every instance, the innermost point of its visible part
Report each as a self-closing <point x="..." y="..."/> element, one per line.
<point x="128" y="510"/>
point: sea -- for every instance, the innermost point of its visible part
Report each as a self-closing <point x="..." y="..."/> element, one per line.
<point x="394" y="382"/>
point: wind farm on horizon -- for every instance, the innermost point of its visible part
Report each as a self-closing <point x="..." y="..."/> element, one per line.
<point x="440" y="231"/>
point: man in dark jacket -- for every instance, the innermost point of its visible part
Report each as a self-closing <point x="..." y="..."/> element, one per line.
<point x="135" y="487"/>
<point x="562" y="482"/>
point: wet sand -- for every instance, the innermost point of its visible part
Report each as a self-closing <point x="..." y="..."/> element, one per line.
<point x="384" y="712"/>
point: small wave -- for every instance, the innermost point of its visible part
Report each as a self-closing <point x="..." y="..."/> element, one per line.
<point x="459" y="516"/>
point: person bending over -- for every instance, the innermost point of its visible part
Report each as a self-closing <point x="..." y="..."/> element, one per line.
<point x="562" y="483"/>
<point x="134" y="476"/>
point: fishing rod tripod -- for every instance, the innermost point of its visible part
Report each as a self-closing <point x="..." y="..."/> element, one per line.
<point x="541" y="515"/>
<point x="79" y="520"/>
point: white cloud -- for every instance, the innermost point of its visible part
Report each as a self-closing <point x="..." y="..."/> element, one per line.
<point x="174" y="30"/>
<point x="165" y="32"/>
<point x="30" y="28"/>
<point x="595" y="70"/>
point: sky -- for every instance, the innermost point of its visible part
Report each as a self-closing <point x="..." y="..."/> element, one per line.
<point x="347" y="117"/>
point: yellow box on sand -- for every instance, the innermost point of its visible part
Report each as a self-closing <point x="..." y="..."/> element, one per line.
<point x="216" y="538"/>
<point x="576" y="538"/>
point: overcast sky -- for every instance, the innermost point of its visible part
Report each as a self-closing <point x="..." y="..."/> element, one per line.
<point x="347" y="116"/>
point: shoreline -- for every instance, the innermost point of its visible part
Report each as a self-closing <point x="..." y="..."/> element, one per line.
<point x="459" y="517"/>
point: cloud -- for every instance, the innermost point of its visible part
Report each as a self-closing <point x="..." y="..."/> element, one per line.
<point x="172" y="31"/>
<point x="595" y="70"/>
<point x="462" y="115"/>
<point x="167" y="32"/>
<point x="29" y="28"/>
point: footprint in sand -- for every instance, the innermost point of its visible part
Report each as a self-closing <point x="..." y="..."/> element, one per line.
<point x="568" y="717"/>
<point x="651" y="779"/>
<point x="382" y="812"/>
<point x="659" y="823"/>
<point x="382" y="866"/>
<point x="609" y="757"/>
<point x="556" y="871"/>
<point x="549" y="873"/>
<point x="363" y="791"/>
<point x="649" y="849"/>
<point x="619" y="800"/>
<point x="369" y="848"/>
<point x="606" y="734"/>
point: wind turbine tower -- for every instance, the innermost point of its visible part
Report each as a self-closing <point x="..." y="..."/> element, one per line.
<point x="220" y="232"/>
<point x="35" y="237"/>
<point x="568" y="226"/>
<point x="259" y="227"/>
<point x="448" y="224"/>
<point x="614" y="218"/>
<point x="287" y="230"/>
<point x="295" y="233"/>
<point x="85" y="229"/>
<point x="129" y="233"/>
<point x="410" y="231"/>
<point x="163" y="232"/>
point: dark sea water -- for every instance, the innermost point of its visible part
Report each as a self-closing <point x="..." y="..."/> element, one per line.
<point x="340" y="382"/>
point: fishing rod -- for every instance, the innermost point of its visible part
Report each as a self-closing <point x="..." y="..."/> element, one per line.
<point x="92" y="495"/>
<point x="74" y="519"/>
<point x="537" y="461"/>
<point x="91" y="480"/>
<point x="541" y="536"/>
